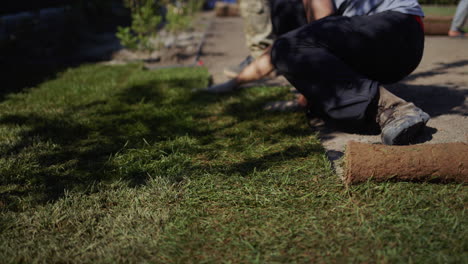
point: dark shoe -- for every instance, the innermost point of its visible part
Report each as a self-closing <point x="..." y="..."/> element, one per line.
<point x="399" y="121"/>
<point x="233" y="71"/>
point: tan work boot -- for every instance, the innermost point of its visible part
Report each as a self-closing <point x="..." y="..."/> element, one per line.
<point x="399" y="120"/>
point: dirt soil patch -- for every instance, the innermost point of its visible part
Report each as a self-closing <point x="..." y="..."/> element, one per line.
<point x="446" y="162"/>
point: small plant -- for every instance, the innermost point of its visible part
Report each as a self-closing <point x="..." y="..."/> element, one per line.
<point x="145" y="20"/>
<point x="179" y="15"/>
<point x="127" y="38"/>
<point x="147" y="17"/>
<point x="177" y="18"/>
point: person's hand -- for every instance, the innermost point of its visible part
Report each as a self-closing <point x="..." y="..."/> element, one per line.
<point x="225" y="87"/>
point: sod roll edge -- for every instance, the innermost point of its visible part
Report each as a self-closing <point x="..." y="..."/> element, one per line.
<point x="446" y="162"/>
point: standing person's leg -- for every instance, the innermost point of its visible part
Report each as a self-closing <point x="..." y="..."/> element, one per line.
<point x="257" y="30"/>
<point x="257" y="25"/>
<point x="459" y="19"/>
<point x="338" y="63"/>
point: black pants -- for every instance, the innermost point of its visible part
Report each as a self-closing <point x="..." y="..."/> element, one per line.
<point x="338" y="62"/>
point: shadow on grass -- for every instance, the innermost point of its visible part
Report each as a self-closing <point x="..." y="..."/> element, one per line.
<point x="35" y="57"/>
<point x="68" y="153"/>
<point x="15" y="77"/>
<point x="18" y="74"/>
<point x="266" y="162"/>
<point x="75" y="149"/>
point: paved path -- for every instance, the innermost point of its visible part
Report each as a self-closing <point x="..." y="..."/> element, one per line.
<point x="439" y="86"/>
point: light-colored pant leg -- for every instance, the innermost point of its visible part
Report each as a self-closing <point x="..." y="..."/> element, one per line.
<point x="257" y="25"/>
<point x="460" y="16"/>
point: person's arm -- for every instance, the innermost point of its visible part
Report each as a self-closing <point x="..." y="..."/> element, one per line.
<point x="317" y="9"/>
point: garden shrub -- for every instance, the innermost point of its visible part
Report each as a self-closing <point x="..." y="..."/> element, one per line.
<point x="148" y="16"/>
<point x="145" y="20"/>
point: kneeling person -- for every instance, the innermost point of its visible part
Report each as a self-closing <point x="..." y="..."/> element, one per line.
<point x="338" y="53"/>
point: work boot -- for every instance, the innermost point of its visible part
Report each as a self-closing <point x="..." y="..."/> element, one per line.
<point x="399" y="121"/>
<point x="233" y="71"/>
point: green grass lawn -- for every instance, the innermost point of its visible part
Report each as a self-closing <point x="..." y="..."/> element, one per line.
<point x="108" y="164"/>
<point x="439" y="10"/>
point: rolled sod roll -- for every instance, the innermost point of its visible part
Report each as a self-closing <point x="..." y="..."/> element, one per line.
<point x="447" y="162"/>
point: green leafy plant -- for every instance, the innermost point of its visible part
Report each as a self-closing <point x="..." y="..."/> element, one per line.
<point x="180" y="15"/>
<point x="145" y="21"/>
<point x="146" y="17"/>
<point x="177" y="18"/>
<point x="127" y="39"/>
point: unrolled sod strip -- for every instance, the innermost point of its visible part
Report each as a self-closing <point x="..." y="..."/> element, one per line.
<point x="447" y="162"/>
